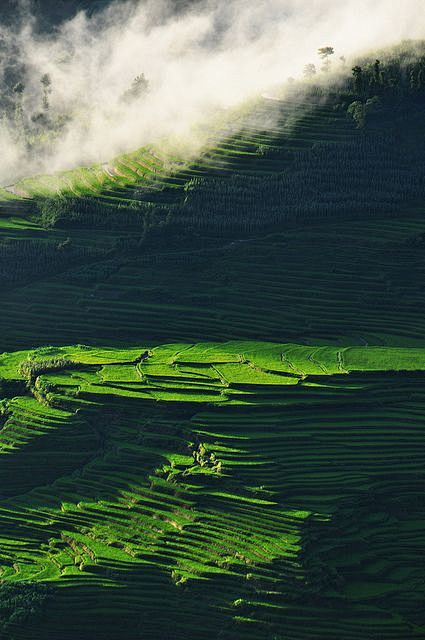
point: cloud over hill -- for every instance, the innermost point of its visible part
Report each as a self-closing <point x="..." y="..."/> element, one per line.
<point x="210" y="57"/>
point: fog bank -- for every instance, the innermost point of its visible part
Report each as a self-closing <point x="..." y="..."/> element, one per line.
<point x="210" y="58"/>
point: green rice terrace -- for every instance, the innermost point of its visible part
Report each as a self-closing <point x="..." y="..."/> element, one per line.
<point x="235" y="476"/>
<point x="212" y="379"/>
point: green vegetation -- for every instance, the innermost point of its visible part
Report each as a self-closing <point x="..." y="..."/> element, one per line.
<point x="215" y="474"/>
<point x="231" y="444"/>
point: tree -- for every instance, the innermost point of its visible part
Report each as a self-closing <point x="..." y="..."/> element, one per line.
<point x="377" y="74"/>
<point x="421" y="77"/>
<point x="309" y="70"/>
<point x="358" y="79"/>
<point x="139" y="88"/>
<point x="47" y="90"/>
<point x="413" y="79"/>
<point x="325" y="53"/>
<point x="18" y="90"/>
<point x="417" y="76"/>
<point x="358" y="112"/>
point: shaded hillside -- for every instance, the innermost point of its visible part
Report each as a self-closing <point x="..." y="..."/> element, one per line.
<point x="294" y="222"/>
<point x="212" y="396"/>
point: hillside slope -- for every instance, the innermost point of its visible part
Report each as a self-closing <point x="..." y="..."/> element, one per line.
<point x="214" y="490"/>
<point x="212" y="381"/>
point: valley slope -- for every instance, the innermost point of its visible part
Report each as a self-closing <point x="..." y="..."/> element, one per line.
<point x="212" y="383"/>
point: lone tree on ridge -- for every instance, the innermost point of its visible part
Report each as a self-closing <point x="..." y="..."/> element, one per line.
<point x="325" y="53"/>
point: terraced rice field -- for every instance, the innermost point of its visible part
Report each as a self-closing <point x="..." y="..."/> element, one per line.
<point x="244" y="140"/>
<point x="238" y="475"/>
<point x="365" y="290"/>
<point x="245" y="456"/>
<point x="362" y="282"/>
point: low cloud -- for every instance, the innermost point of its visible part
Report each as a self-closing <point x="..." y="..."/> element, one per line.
<point x="212" y="57"/>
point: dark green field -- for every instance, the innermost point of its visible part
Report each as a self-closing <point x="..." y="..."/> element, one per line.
<point x="212" y="383"/>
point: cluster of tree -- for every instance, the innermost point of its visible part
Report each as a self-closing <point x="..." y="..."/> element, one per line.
<point x="39" y="127"/>
<point x="33" y="367"/>
<point x="325" y="54"/>
<point x="374" y="82"/>
<point x="32" y="126"/>
<point x="392" y="76"/>
<point x="139" y="89"/>
<point x="403" y="69"/>
<point x="398" y="74"/>
<point x="359" y="110"/>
